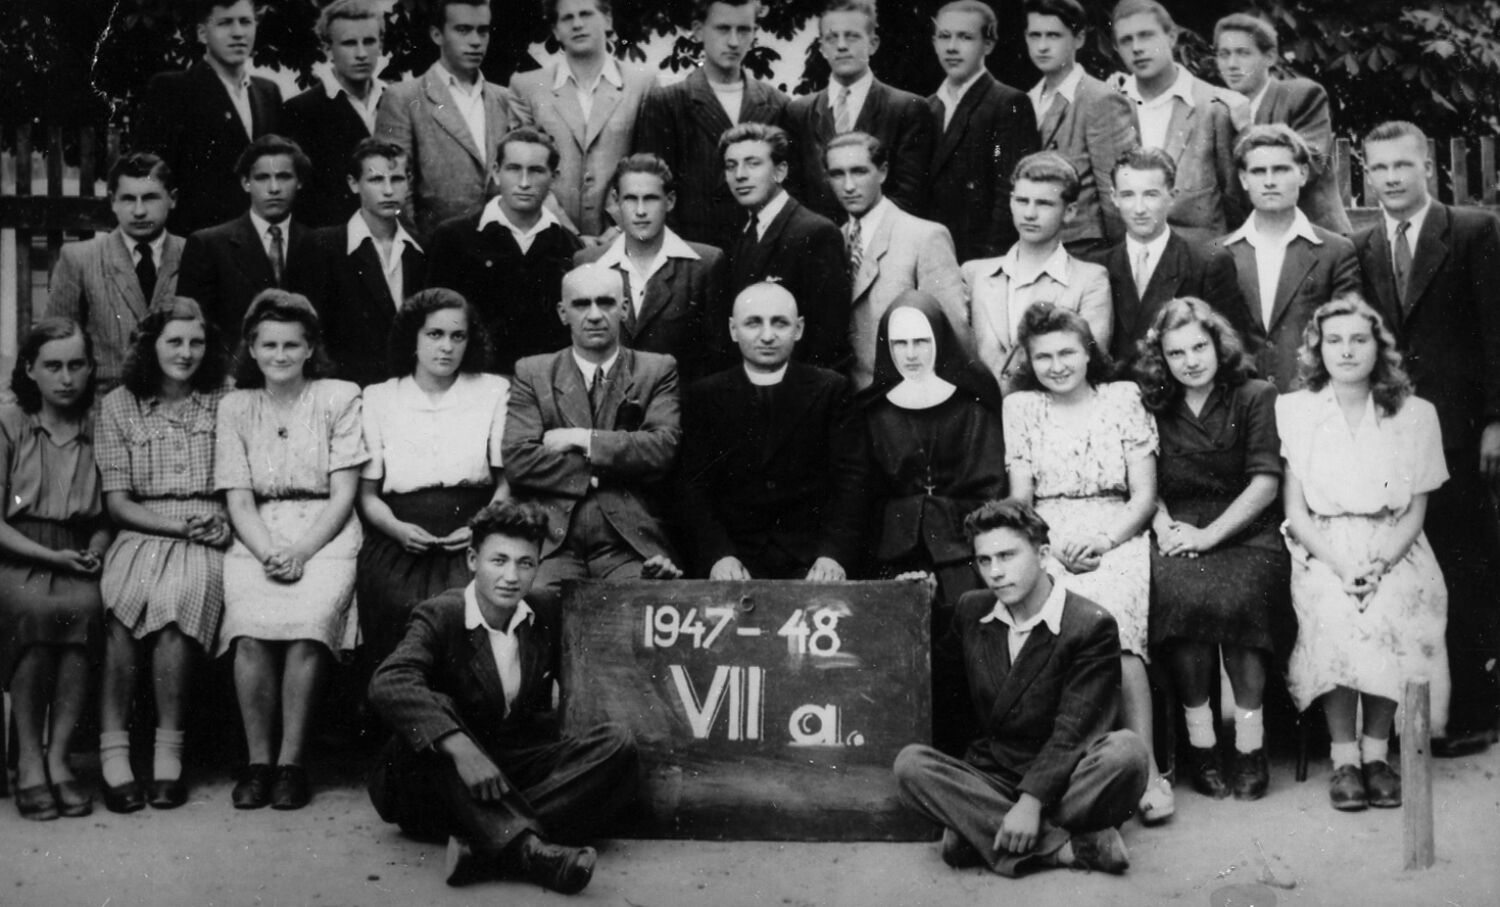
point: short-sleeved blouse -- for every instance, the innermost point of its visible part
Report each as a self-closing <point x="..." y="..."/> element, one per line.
<point x="144" y="450"/>
<point x="1374" y="468"/>
<point x="288" y="453"/>
<point x="45" y="480"/>
<point x="1084" y="460"/>
<point x="418" y="442"/>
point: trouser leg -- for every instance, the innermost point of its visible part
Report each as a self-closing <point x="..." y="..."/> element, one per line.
<point x="1106" y="786"/>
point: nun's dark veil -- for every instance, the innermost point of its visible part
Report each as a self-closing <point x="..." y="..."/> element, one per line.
<point x="952" y="363"/>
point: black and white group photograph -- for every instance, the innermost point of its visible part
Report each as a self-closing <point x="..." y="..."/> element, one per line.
<point x="749" y="452"/>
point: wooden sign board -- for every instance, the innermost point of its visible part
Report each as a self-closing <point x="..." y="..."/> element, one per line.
<point x="765" y="710"/>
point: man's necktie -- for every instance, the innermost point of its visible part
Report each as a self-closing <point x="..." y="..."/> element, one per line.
<point x="627" y="317"/>
<point x="596" y="394"/>
<point x="1142" y="277"/>
<point x="278" y="253"/>
<point x="1401" y="261"/>
<point x="842" y="121"/>
<point x="145" y="271"/>
<point x="856" y="246"/>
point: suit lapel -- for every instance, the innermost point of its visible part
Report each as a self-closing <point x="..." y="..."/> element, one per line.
<point x="571" y="394"/>
<point x="1244" y="264"/>
<point x="1053" y="121"/>
<point x="873" y="111"/>
<point x="122" y="267"/>
<point x="954" y="134"/>
<point x="1428" y="257"/>
<point x="166" y="272"/>
<point x="1380" y="271"/>
<point x="1179" y="127"/>
<point x="823" y="121"/>
<point x="1270" y="105"/>
<point x="1163" y="283"/>
<point x="1034" y="655"/>
<point x="371" y="274"/>
<point x="621" y="381"/>
<point x="660" y="289"/>
<point x="711" y="117"/>
<point x="566" y="98"/>
<point x="605" y="101"/>
<point x="1301" y="257"/>
<point x="250" y="254"/>
<point x="483" y="669"/>
<point x="759" y="259"/>
<point x="880" y="243"/>
<point x="262" y="108"/>
<point x="215" y="89"/>
<point x="445" y="114"/>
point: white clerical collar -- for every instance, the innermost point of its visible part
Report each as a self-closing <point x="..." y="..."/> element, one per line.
<point x="610" y="73"/>
<point x="1050" y="614"/>
<point x="474" y="617"/>
<point x="359" y="231"/>
<point x="764" y="379"/>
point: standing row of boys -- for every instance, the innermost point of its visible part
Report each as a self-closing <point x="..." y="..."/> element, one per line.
<point x="590" y="161"/>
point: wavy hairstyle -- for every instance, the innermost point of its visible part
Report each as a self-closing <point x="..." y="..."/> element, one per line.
<point x="1389" y="384"/>
<point x="290" y="308"/>
<point x="43" y="332"/>
<point x="413" y="315"/>
<point x="143" y="367"/>
<point x="1159" y="390"/>
<point x="1046" y="318"/>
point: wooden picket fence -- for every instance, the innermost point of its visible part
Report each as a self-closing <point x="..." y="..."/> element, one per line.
<point x="45" y="202"/>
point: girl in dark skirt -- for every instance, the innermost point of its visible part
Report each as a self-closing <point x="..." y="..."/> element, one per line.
<point x="1219" y="569"/>
<point x="52" y="540"/>
<point x="434" y="439"/>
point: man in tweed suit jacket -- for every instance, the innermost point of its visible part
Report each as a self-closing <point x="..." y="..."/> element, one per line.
<point x="1046" y="781"/>
<point x="450" y="120"/>
<point x="476" y="753"/>
<point x="109" y="283"/>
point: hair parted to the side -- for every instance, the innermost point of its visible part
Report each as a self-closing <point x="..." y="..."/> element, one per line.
<point x="1397" y="129"/>
<point x="1049" y="167"/>
<point x="412" y="316"/>
<point x="1045" y="318"/>
<point x="774" y="136"/>
<point x="853" y="6"/>
<point x="369" y="147"/>
<point x="271" y="145"/>
<point x="510" y="518"/>
<point x="1260" y="31"/>
<point x="42" y="332"/>
<point x="353" y="10"/>
<point x="1389" y="383"/>
<point x="140" y="165"/>
<point x="1007" y="513"/>
<point x="878" y="155"/>
<point x="142" y="365"/>
<point x="1272" y="135"/>
<point x="647" y="163"/>
<point x="1139" y="158"/>
<point x="289" y="308"/>
<point x="1070" y="12"/>
<point x="549" y="9"/>
<point x="200" y="10"/>
<point x="1159" y="390"/>
<point x="437" y="10"/>
<point x="700" y="7"/>
<point x="989" y="25"/>
<point x="1127" y="8"/>
<point x="529" y="135"/>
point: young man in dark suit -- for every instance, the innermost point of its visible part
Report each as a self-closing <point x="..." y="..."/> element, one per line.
<point x="1286" y="266"/>
<point x="1046" y="781"/>
<point x="1432" y="270"/>
<point x="983" y="128"/>
<point x="225" y="266"/>
<point x="508" y="257"/>
<point x="591" y="432"/>
<point x="109" y="283"/>
<point x="477" y="756"/>
<point x="772" y="477"/>
<point x="1154" y="265"/>
<point x="1080" y="118"/>
<point x="783" y="241"/>
<point x="328" y="120"/>
<point x="682" y="123"/>
<point x="856" y="101"/>
<point x="670" y="283"/>
<point x="368" y="265"/>
<point x="200" y="120"/>
<point x="1246" y="49"/>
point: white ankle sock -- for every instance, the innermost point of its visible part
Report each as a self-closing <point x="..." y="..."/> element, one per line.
<point x="1374" y="750"/>
<point x="168" y="755"/>
<point x="1249" y="729"/>
<point x="114" y="757"/>
<point x="1344" y="754"/>
<point x="1200" y="725"/>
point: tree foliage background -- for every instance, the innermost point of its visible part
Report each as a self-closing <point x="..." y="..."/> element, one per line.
<point x="87" y="61"/>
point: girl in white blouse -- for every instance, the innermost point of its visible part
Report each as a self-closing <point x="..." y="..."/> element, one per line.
<point x="434" y="439"/>
<point x="1362" y="455"/>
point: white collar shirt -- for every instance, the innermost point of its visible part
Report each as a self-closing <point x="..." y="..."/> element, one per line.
<point x="1042" y="99"/>
<point x="156" y="247"/>
<point x="1028" y="283"/>
<point x="672" y="246"/>
<point x="1259" y="99"/>
<point x="1017" y="632"/>
<point x="263" y="230"/>
<point x="494" y="214"/>
<point x="610" y="73"/>
<point x="870" y="222"/>
<point x="765" y="215"/>
<point x="1154" y="250"/>
<point x="731" y="98"/>
<point x="469" y="99"/>
<point x="857" y="94"/>
<point x="1270" y="255"/>
<point x="952" y="97"/>
<point x="505" y="647"/>
<point x="589" y="368"/>
<point x="366" y="108"/>
<point x="390" y="257"/>
<point x="1155" y="116"/>
<point x="239" y="95"/>
<point x="1416" y="220"/>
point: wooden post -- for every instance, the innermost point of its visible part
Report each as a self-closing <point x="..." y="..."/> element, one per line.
<point x="1458" y="153"/>
<point x="1344" y="167"/>
<point x="1416" y="776"/>
<point x="23" y="237"/>
<point x="1487" y="169"/>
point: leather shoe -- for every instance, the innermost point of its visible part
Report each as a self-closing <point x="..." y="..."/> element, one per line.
<point x="168" y="794"/>
<point x="73" y="799"/>
<point x="1455" y="746"/>
<point x="1346" y="789"/>
<point x="958" y="852"/>
<point x="463" y="866"/>
<point x="254" y="788"/>
<point x="1252" y="775"/>
<point x="1382" y="785"/>
<point x="36" y="803"/>
<point x="1102" y="850"/>
<point x="124" y="798"/>
<point x="1205" y="768"/>
<point x="290" y="790"/>
<point x="566" y="870"/>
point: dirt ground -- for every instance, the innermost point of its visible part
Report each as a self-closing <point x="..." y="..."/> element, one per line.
<point x="1289" y="849"/>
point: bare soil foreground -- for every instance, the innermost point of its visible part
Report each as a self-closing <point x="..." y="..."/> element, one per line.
<point x="1289" y="849"/>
